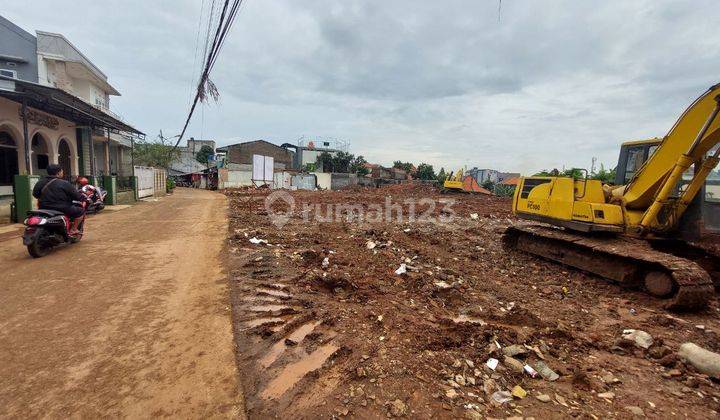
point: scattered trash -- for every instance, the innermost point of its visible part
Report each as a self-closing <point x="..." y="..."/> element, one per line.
<point x="530" y="371"/>
<point x="256" y="241"/>
<point x="401" y="270"/>
<point x="606" y="395"/>
<point x="561" y="400"/>
<point x="514" y="350"/>
<point x="543" y="398"/>
<point x="703" y="360"/>
<point x="501" y="397"/>
<point x="406" y="230"/>
<point x="451" y="393"/>
<point x="370" y="245"/>
<point x="474" y="216"/>
<point x="326" y="262"/>
<point x="492" y="363"/>
<point x="545" y="371"/>
<point x="639" y="337"/>
<point x="470" y="363"/>
<point x="442" y="285"/>
<point x="514" y="364"/>
<point x="635" y="410"/>
<point x="398" y="408"/>
<point x="519" y="392"/>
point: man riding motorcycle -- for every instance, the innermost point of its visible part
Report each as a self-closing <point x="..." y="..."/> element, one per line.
<point x="55" y="193"/>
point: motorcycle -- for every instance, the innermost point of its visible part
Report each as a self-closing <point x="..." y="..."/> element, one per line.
<point x="96" y="196"/>
<point x="46" y="229"/>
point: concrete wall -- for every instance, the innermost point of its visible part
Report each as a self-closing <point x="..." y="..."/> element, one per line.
<point x="324" y="180"/>
<point x="339" y="181"/>
<point x="16" y="42"/>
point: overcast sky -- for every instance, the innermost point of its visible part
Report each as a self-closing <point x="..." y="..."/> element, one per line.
<point x="451" y="83"/>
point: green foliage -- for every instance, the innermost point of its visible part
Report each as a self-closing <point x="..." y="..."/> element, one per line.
<point x="441" y="176"/>
<point x="310" y="167"/>
<point x="202" y="155"/>
<point x="504" y="190"/>
<point x="357" y="166"/>
<point x="342" y="162"/>
<point x="405" y="166"/>
<point x="488" y="185"/>
<point x="324" y="162"/>
<point x="603" y="174"/>
<point x="607" y="177"/>
<point x="425" y="172"/>
<point x="169" y="184"/>
<point x="159" y="154"/>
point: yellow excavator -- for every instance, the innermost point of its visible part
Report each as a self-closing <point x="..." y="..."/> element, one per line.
<point x="460" y="182"/>
<point x="649" y="231"/>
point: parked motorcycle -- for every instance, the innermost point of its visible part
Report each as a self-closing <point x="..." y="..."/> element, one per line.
<point x="46" y="229"/>
<point x="96" y="196"/>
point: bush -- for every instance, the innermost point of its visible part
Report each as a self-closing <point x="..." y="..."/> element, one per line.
<point x="169" y="185"/>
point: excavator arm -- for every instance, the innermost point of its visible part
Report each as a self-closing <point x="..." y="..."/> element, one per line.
<point x="649" y="193"/>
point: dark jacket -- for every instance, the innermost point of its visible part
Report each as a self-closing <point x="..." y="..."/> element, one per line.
<point x="57" y="196"/>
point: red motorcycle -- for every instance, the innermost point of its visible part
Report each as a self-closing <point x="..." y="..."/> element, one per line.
<point x="46" y="229"/>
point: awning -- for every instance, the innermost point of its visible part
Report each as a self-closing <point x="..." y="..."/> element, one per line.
<point x="57" y="102"/>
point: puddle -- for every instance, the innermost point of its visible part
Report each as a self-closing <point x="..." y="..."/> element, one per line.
<point x="272" y="292"/>
<point x="261" y="321"/>
<point x="267" y="308"/>
<point x="296" y="371"/>
<point x="470" y="320"/>
<point x="278" y="348"/>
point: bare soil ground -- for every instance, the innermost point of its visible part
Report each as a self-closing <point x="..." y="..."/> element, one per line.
<point x="326" y="328"/>
<point x="133" y="321"/>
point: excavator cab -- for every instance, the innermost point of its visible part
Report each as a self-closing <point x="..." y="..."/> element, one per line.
<point x="703" y="216"/>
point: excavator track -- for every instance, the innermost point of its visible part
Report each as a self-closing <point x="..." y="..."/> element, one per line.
<point x="680" y="282"/>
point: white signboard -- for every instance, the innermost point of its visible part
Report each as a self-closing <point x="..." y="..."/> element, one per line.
<point x="263" y="168"/>
<point x="269" y="168"/>
<point x="258" y="168"/>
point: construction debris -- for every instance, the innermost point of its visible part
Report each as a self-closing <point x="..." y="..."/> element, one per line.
<point x="454" y="332"/>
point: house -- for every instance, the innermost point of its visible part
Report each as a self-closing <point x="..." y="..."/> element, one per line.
<point x="306" y="152"/>
<point x="240" y="155"/>
<point x="54" y="108"/>
<point x="187" y="162"/>
<point x="485" y="175"/>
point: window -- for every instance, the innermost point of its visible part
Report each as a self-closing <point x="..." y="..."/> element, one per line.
<point x="8" y="73"/>
<point x="635" y="159"/>
<point x="8" y="159"/>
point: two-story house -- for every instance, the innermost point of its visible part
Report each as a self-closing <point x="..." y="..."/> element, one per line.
<point x="54" y="108"/>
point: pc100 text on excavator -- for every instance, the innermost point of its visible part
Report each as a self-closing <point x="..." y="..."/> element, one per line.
<point x="648" y="231"/>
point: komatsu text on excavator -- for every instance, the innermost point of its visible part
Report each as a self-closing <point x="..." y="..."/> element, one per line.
<point x="640" y="232"/>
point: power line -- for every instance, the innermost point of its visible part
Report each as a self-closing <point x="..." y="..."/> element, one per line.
<point x="206" y="88"/>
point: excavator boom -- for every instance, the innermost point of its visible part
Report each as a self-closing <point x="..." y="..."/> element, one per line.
<point x="618" y="232"/>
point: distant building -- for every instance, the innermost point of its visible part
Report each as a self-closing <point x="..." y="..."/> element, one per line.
<point x="240" y="154"/>
<point x="187" y="163"/>
<point x="484" y="175"/>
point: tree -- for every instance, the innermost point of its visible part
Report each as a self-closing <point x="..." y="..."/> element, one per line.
<point x="602" y="175"/>
<point x="441" y="176"/>
<point x="204" y="153"/>
<point x="488" y="185"/>
<point x="357" y="166"/>
<point x="158" y="153"/>
<point x="607" y="177"/>
<point x="324" y="162"/>
<point x="425" y="172"/>
<point x="405" y="166"/>
<point x="341" y="162"/>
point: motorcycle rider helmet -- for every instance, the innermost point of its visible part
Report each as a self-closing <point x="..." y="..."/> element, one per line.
<point x="82" y="181"/>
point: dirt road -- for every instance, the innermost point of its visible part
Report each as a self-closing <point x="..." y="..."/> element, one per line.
<point x="133" y="321"/>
